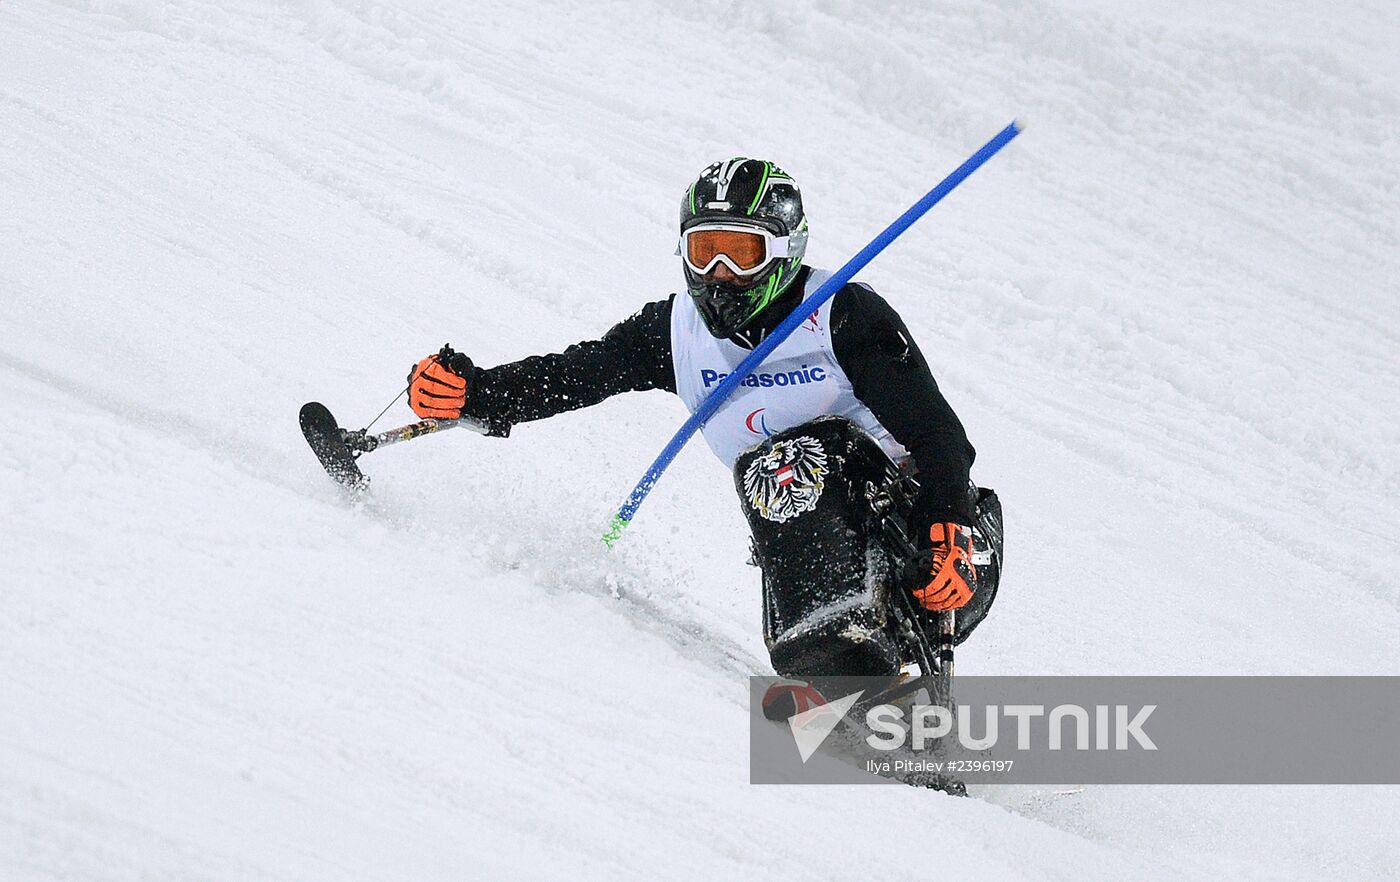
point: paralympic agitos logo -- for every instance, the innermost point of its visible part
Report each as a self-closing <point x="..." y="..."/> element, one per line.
<point x="757" y="423"/>
<point x="800" y="377"/>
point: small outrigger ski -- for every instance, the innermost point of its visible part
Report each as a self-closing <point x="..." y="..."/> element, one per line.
<point x="339" y="449"/>
<point x="328" y="442"/>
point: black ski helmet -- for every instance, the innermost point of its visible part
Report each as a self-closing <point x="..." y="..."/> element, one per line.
<point x="744" y="192"/>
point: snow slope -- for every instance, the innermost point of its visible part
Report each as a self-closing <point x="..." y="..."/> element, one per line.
<point x="1167" y="315"/>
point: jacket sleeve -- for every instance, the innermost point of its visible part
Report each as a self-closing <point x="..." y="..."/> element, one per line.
<point x="634" y="355"/>
<point x="891" y="377"/>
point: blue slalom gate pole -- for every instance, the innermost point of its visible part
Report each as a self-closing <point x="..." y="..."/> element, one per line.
<point x="799" y="315"/>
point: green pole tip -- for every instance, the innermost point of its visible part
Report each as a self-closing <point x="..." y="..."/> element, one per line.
<point x="615" y="530"/>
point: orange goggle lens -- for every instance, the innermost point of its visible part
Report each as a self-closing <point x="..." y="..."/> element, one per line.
<point x="747" y="250"/>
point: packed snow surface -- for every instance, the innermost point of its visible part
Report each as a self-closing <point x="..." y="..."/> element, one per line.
<point x="1167" y="314"/>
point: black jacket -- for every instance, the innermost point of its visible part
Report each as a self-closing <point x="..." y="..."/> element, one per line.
<point x="874" y="348"/>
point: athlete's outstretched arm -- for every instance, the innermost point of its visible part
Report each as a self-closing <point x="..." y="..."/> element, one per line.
<point x="634" y="355"/>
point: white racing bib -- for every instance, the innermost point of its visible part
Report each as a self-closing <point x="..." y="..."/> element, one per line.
<point x="798" y="382"/>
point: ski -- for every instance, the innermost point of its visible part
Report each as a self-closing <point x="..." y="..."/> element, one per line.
<point x="328" y="441"/>
<point x="338" y="449"/>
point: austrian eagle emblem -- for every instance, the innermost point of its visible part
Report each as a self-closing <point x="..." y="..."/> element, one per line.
<point x="787" y="480"/>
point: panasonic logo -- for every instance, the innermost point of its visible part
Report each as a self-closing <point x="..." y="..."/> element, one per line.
<point x="788" y="378"/>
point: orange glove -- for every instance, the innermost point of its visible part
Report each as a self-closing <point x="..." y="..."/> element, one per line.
<point x="953" y="572"/>
<point x="437" y="385"/>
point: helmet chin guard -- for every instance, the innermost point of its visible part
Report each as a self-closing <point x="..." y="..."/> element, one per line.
<point x="728" y="307"/>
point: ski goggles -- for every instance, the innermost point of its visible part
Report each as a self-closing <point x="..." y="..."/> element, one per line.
<point x="746" y="250"/>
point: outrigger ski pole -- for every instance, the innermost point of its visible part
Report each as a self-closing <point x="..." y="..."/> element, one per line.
<point x="338" y="449"/>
